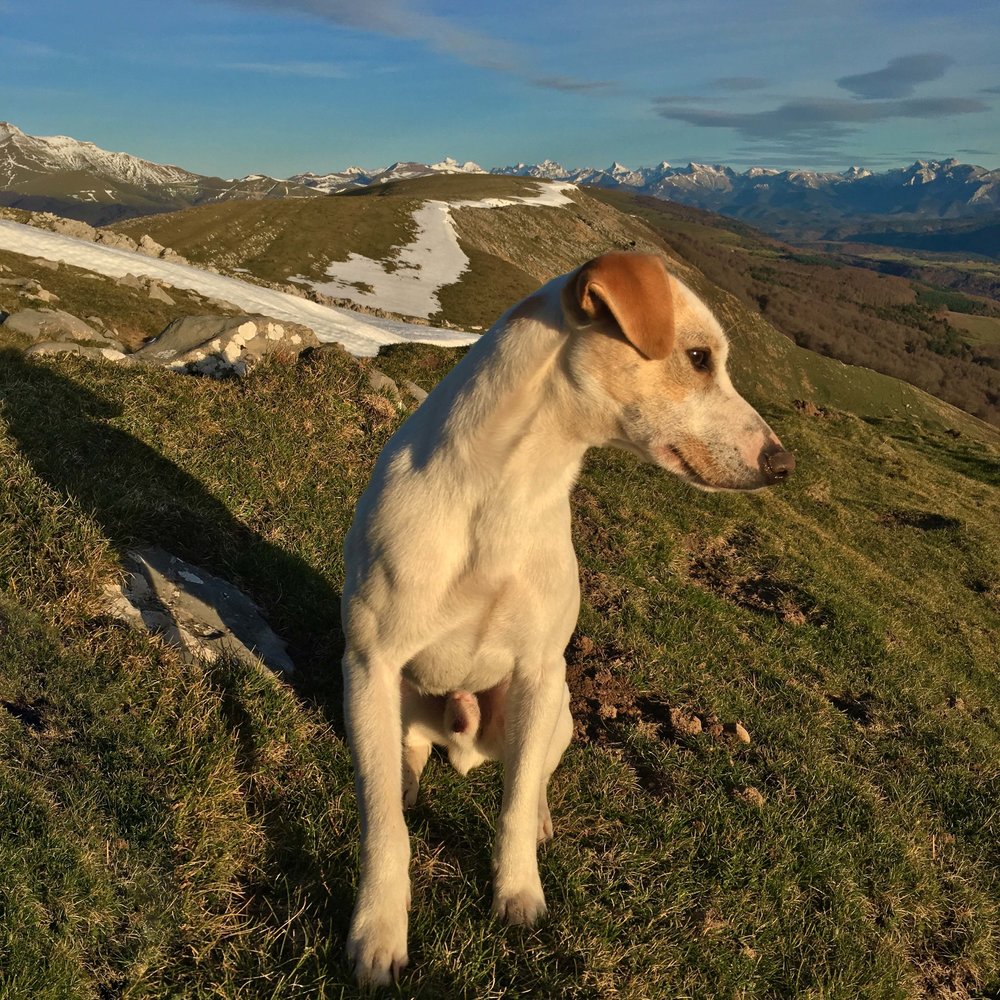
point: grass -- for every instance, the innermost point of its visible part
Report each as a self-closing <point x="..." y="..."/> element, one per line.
<point x="177" y="829"/>
<point x="977" y="330"/>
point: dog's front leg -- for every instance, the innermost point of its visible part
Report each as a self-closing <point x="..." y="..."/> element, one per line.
<point x="372" y="711"/>
<point x="534" y="702"/>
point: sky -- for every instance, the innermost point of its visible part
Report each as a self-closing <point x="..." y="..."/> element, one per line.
<point x="230" y="87"/>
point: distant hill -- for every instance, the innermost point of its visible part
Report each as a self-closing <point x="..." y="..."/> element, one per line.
<point x="891" y="324"/>
<point x="82" y="181"/>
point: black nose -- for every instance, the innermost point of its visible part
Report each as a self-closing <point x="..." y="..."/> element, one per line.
<point x="776" y="464"/>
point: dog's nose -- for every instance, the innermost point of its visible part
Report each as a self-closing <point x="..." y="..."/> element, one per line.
<point x="776" y="464"/>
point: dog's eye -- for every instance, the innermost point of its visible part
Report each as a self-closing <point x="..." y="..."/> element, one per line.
<point x="701" y="359"/>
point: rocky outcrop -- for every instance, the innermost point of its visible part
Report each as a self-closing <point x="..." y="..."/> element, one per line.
<point x="55" y="325"/>
<point x="50" y="347"/>
<point x="107" y="237"/>
<point x="199" y="613"/>
<point x="223" y="345"/>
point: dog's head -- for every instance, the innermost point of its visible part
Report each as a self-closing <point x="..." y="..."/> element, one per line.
<point x="655" y="356"/>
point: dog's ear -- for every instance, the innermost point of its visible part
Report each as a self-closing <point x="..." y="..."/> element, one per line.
<point x="635" y="289"/>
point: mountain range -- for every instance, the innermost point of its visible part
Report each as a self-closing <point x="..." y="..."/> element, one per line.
<point x="83" y="181"/>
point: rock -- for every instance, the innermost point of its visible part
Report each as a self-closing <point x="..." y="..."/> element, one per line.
<point x="49" y="347"/>
<point x="381" y="382"/>
<point x="414" y="391"/>
<point x="25" y="284"/>
<point x="223" y="345"/>
<point x="111" y="239"/>
<point x="203" y="615"/>
<point x="736" y="729"/>
<point x="68" y="227"/>
<point x="148" y="246"/>
<point x="42" y="295"/>
<point x="684" y="723"/>
<point x="159" y="295"/>
<point x="751" y="796"/>
<point x="52" y="265"/>
<point x="131" y="281"/>
<point x="53" y="324"/>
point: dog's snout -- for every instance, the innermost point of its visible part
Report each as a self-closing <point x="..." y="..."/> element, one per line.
<point x="776" y="463"/>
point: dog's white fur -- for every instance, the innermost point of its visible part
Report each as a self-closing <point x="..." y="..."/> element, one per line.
<point x="462" y="589"/>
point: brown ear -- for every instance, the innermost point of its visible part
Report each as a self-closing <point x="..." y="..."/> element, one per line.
<point x="635" y="289"/>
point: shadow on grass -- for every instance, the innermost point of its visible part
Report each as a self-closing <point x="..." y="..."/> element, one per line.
<point x="139" y="497"/>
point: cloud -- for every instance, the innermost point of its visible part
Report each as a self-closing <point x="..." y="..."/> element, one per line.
<point x="819" y="118"/>
<point x="315" y="71"/>
<point x="899" y="77"/>
<point x="739" y="83"/>
<point x="990" y="90"/>
<point x="569" y="84"/>
<point x="398" y="19"/>
<point x="404" y="20"/>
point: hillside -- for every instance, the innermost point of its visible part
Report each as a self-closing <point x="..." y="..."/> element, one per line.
<point x="906" y="328"/>
<point x="182" y="829"/>
<point x="890" y="323"/>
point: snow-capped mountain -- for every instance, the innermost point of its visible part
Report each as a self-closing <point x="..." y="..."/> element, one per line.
<point x="80" y="180"/>
<point x="354" y="177"/>
<point x="83" y="181"/>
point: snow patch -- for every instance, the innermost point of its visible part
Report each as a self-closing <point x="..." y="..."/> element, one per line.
<point x="361" y="336"/>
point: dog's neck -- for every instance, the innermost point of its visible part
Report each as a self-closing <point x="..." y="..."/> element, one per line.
<point x="502" y="411"/>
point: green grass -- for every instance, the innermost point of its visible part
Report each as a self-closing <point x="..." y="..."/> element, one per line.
<point x="173" y="829"/>
<point x="977" y="330"/>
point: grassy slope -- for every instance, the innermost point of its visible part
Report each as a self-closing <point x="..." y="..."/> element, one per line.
<point x="174" y="829"/>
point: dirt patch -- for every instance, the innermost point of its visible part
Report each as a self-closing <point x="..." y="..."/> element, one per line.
<point x="600" y="692"/>
<point x="30" y="716"/>
<point x="811" y="409"/>
<point x="921" y="519"/>
<point x="735" y="569"/>
<point x="858" y="708"/>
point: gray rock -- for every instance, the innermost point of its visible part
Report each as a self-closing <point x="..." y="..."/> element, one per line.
<point x="201" y="614"/>
<point x="111" y="239"/>
<point x="52" y="265"/>
<point x="52" y="324"/>
<point x="69" y="227"/>
<point x="148" y="246"/>
<point x="130" y="281"/>
<point x="42" y="295"/>
<point x="381" y="382"/>
<point x="159" y="295"/>
<point x="50" y="347"/>
<point x="414" y="391"/>
<point x="223" y="345"/>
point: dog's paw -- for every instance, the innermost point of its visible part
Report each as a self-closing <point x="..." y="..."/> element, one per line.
<point x="376" y="945"/>
<point x="410" y="789"/>
<point x="525" y="906"/>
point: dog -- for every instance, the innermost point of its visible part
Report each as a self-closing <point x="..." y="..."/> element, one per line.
<point x="461" y="587"/>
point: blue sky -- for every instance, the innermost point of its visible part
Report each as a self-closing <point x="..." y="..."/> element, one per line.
<point x="280" y="86"/>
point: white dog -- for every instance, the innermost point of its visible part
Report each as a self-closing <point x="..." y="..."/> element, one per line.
<point x="462" y="589"/>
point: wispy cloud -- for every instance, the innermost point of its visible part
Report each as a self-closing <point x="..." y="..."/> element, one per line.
<point x="899" y="78"/>
<point x="570" y="84"/>
<point x="405" y="20"/>
<point x="990" y="90"/>
<point x="28" y="49"/>
<point x="820" y="118"/>
<point x="316" y="71"/>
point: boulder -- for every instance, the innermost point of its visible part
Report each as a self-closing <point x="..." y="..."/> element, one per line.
<point x="53" y="324"/>
<point x="50" y="347"/>
<point x="112" y="239"/>
<point x="130" y="281"/>
<point x="203" y="615"/>
<point x="159" y="295"/>
<point x="223" y="345"/>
